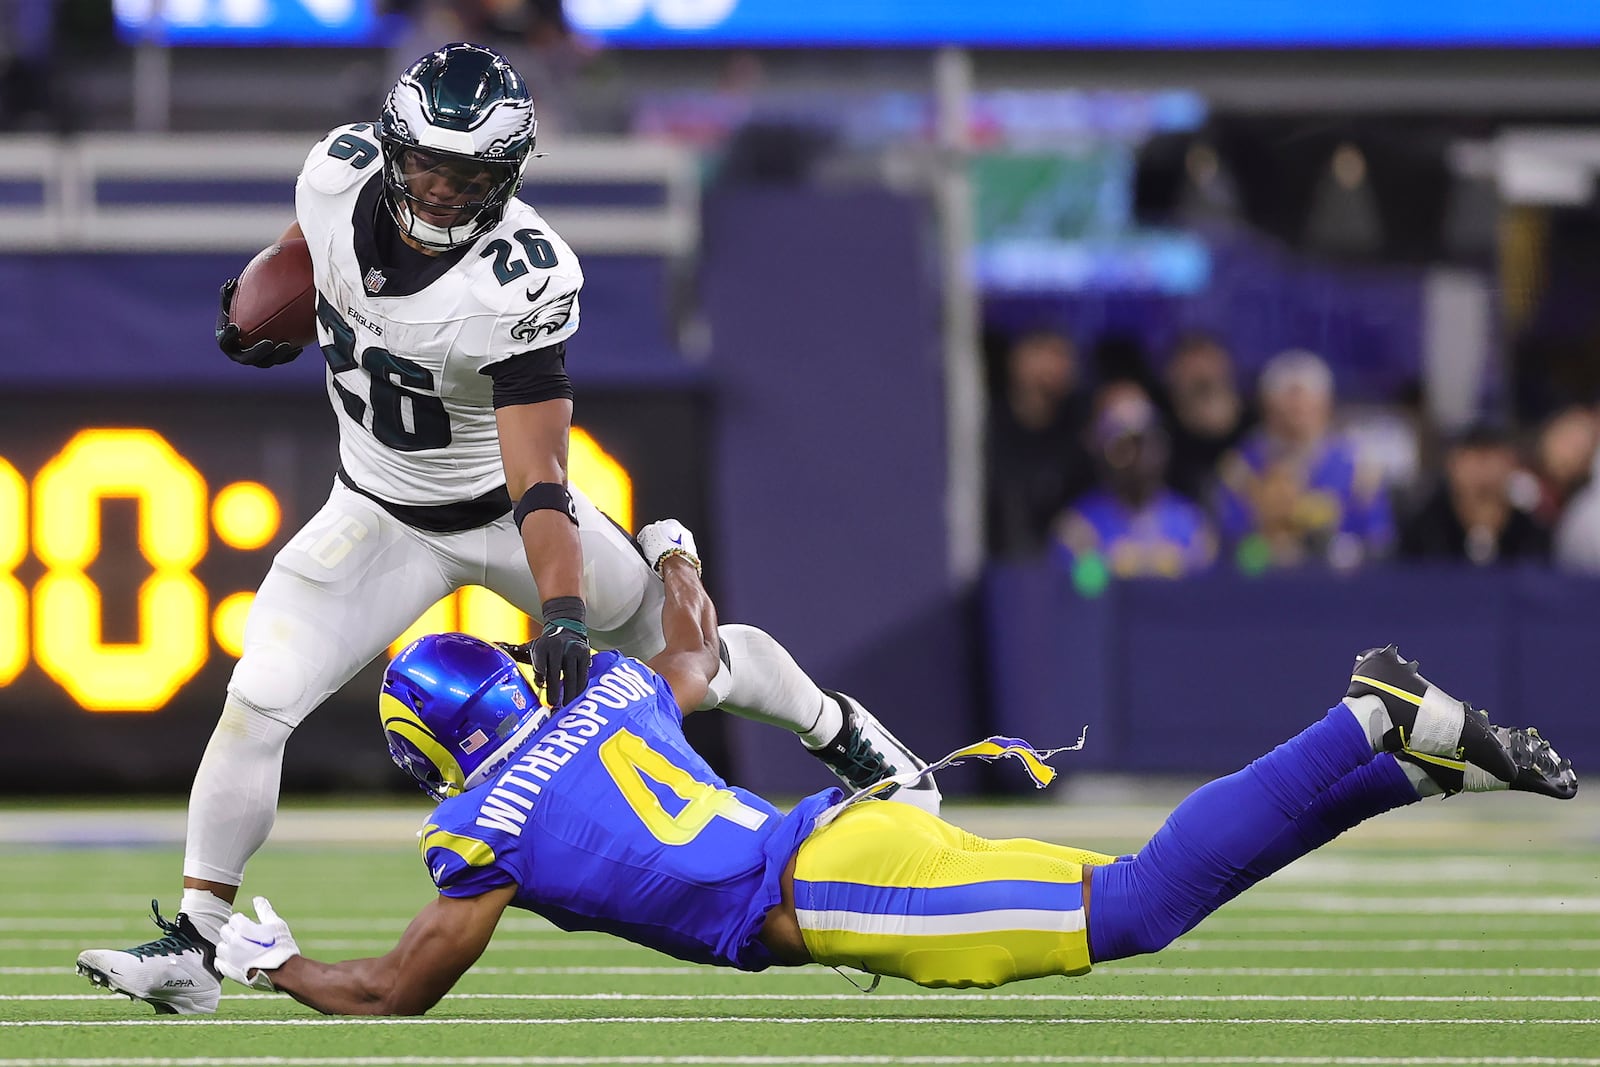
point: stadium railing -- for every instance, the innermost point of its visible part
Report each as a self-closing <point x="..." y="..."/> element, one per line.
<point x="204" y="193"/>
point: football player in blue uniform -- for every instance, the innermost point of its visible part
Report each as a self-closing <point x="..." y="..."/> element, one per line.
<point x="598" y="816"/>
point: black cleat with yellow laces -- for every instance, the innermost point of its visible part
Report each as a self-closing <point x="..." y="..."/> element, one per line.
<point x="1424" y="720"/>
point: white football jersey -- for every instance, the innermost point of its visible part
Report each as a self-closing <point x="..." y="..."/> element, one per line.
<point x="406" y="355"/>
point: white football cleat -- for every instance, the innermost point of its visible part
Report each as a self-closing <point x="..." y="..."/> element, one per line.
<point x="864" y="752"/>
<point x="174" y="974"/>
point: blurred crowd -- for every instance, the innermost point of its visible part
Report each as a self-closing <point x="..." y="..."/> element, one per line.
<point x="1118" y="469"/>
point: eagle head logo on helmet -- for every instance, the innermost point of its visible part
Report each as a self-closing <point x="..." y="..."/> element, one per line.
<point x="457" y="131"/>
<point x="454" y="709"/>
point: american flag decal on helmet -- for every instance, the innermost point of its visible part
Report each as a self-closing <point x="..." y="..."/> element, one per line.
<point x="474" y="742"/>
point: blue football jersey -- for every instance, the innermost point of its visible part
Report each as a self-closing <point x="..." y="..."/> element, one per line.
<point x="606" y="819"/>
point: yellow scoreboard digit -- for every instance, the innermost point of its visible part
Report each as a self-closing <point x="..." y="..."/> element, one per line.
<point x="176" y="516"/>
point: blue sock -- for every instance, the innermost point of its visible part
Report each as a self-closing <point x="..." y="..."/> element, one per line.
<point x="1212" y="838"/>
<point x="1370" y="790"/>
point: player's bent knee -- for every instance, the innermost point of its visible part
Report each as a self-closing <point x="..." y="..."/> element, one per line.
<point x="273" y="682"/>
<point x="617" y="582"/>
<point x="739" y="644"/>
<point x="1127" y="914"/>
<point x="242" y="728"/>
<point x="720" y="685"/>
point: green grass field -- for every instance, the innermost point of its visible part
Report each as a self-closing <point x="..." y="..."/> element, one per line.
<point x="1458" y="932"/>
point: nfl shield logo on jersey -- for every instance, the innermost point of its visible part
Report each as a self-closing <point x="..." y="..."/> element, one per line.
<point x="374" y="280"/>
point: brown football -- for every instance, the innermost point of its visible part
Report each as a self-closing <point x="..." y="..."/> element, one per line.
<point x="277" y="297"/>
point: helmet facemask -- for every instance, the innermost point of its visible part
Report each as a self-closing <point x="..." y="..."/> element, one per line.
<point x="442" y="200"/>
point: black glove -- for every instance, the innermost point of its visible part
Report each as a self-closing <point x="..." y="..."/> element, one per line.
<point x="262" y="353"/>
<point x="560" y="654"/>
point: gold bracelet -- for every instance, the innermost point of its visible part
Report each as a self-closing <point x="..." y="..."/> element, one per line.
<point x="693" y="559"/>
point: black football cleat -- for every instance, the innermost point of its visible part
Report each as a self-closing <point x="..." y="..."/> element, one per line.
<point x="1540" y="768"/>
<point x="1424" y="719"/>
<point x="865" y="752"/>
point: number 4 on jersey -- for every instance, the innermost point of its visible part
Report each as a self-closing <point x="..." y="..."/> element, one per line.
<point x="631" y="762"/>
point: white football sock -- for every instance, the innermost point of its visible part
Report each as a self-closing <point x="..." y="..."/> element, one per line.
<point x="235" y="794"/>
<point x="1424" y="785"/>
<point x="207" y="911"/>
<point x="1372" y="717"/>
<point x="830" y="720"/>
<point x="768" y="686"/>
<point x="1475" y="779"/>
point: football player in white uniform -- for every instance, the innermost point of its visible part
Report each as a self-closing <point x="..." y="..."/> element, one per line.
<point x="444" y="307"/>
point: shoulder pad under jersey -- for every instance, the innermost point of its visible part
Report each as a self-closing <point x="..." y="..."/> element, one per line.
<point x="347" y="157"/>
<point x="525" y="280"/>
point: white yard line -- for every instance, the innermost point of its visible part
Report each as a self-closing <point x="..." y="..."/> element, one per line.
<point x="1193" y="943"/>
<point x="574" y="943"/>
<point x="1386" y="946"/>
<point x="871" y="1020"/>
<point x="1231" y="922"/>
<point x="140" y="924"/>
<point x="778" y="1061"/>
<point x="1106" y="969"/>
<point x="1020" y="998"/>
<point x="1534" y="914"/>
<point x="1113" y="968"/>
<point x="1546" y="903"/>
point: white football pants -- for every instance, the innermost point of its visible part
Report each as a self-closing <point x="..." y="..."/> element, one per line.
<point x="338" y="594"/>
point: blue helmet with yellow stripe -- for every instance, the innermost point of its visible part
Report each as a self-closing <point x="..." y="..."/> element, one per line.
<point x="454" y="708"/>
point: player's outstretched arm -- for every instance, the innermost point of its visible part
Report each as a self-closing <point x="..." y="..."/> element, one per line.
<point x="443" y="940"/>
<point x="533" y="450"/>
<point x="688" y="617"/>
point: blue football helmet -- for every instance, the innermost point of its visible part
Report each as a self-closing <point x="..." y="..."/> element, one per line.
<point x="454" y="709"/>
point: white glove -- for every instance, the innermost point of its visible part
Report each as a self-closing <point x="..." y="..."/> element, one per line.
<point x="262" y="946"/>
<point x="665" y="538"/>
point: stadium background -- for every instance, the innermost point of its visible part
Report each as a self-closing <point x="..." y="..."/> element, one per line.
<point x="799" y="224"/>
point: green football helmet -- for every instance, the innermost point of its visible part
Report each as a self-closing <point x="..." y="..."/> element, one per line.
<point x="457" y="130"/>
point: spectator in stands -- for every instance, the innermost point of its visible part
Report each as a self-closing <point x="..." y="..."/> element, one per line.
<point x="1208" y="415"/>
<point x="1577" y="536"/>
<point x="1296" y="492"/>
<point x="1566" y="448"/>
<point x="1471" y="516"/>
<point x="1132" y="523"/>
<point x="1036" y="460"/>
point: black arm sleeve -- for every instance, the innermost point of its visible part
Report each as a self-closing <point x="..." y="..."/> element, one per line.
<point x="531" y="377"/>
